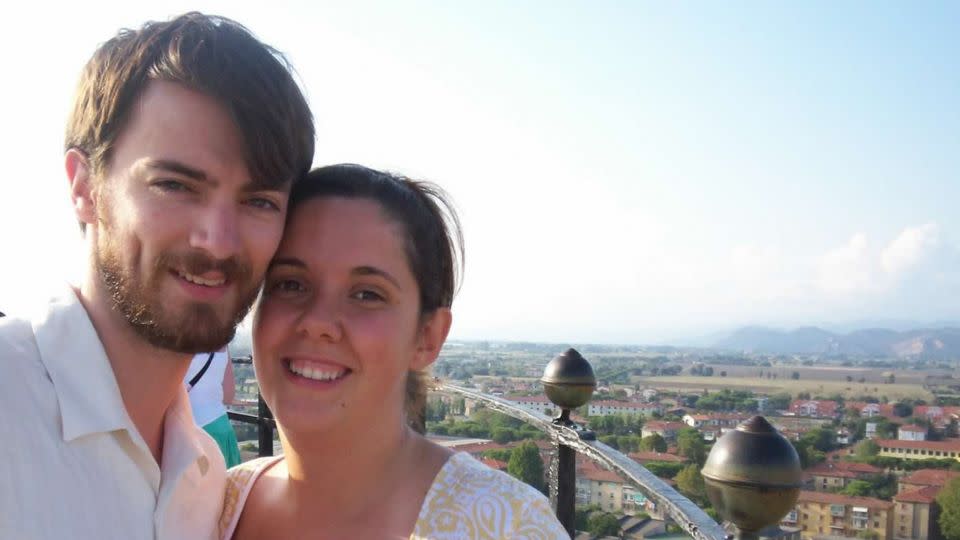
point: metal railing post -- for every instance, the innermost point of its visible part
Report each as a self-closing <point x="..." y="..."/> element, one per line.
<point x="566" y="487"/>
<point x="264" y="428"/>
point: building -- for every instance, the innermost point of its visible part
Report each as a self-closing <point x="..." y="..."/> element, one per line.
<point x="938" y="416"/>
<point x="667" y="430"/>
<point x="605" y="407"/>
<point x="607" y="490"/>
<point x="912" y="432"/>
<point x="823" y="408"/>
<point x="716" y="420"/>
<point x="948" y="449"/>
<point x="836" y="475"/>
<point x="713" y="425"/>
<point x="870" y="410"/>
<point x="926" y="478"/>
<point x="915" y="515"/>
<point x="539" y="404"/>
<point x="820" y="515"/>
<point x="916" y="510"/>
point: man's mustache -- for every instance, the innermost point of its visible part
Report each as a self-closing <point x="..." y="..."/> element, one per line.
<point x="198" y="263"/>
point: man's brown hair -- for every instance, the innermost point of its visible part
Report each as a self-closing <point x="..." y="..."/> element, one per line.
<point x="210" y="54"/>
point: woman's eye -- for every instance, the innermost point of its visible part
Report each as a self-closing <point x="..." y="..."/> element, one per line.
<point x="286" y="285"/>
<point x="366" y="295"/>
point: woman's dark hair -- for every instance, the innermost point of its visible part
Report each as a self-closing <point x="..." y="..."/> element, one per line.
<point x="433" y="241"/>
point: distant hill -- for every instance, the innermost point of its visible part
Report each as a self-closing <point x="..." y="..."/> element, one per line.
<point x="928" y="344"/>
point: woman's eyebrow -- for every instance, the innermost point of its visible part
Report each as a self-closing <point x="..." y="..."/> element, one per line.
<point x="286" y="261"/>
<point x="374" y="271"/>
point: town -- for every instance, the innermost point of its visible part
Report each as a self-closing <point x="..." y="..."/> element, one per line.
<point x="877" y="438"/>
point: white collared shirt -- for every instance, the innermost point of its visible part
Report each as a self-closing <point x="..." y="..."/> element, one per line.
<point x="72" y="464"/>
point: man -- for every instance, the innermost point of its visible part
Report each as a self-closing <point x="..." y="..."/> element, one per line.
<point x="181" y="147"/>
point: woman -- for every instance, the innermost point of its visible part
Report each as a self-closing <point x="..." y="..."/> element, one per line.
<point x="355" y="307"/>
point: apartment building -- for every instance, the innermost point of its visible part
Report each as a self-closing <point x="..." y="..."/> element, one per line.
<point x="916" y="511"/>
<point x="912" y="432"/>
<point x="836" y="475"/>
<point x="948" y="449"/>
<point x="667" y="430"/>
<point x="820" y="515"/>
<point x="605" y="407"/>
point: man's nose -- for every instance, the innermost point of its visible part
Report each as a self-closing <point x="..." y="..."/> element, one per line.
<point x="217" y="231"/>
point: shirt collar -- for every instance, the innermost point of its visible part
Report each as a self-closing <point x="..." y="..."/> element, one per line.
<point x="83" y="379"/>
<point x="181" y="438"/>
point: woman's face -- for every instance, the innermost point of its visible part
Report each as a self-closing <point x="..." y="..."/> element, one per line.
<point x="338" y="325"/>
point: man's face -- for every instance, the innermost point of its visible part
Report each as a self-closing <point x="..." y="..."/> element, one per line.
<point x="183" y="235"/>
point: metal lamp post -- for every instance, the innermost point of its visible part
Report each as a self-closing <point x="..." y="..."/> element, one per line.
<point x="569" y="382"/>
<point x="752" y="476"/>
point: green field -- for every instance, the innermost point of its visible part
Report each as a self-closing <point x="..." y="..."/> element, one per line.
<point x="771" y="386"/>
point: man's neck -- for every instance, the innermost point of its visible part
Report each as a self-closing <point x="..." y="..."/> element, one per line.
<point x="149" y="378"/>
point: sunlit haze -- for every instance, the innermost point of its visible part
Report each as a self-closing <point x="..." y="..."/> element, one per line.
<point x="626" y="172"/>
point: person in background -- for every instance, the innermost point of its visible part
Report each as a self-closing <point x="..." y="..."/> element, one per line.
<point x="211" y="386"/>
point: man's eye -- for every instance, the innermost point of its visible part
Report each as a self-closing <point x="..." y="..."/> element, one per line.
<point x="264" y="204"/>
<point x="171" y="185"/>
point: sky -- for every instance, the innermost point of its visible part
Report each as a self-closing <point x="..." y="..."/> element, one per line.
<point x="626" y="172"/>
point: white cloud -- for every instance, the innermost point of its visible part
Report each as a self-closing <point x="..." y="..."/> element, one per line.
<point x="909" y="248"/>
<point x="847" y="269"/>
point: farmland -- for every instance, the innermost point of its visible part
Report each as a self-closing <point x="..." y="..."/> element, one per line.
<point x="836" y="385"/>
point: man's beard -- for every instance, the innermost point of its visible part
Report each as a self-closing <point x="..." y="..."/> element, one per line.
<point x="198" y="327"/>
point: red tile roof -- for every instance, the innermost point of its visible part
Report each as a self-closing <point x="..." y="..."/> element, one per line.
<point x="823" y="407"/>
<point x="592" y="471"/>
<point x="930" y="477"/>
<point x="935" y="411"/>
<point x="883" y="409"/>
<point x="913" y="427"/>
<point x="822" y="497"/>
<point x="843" y="469"/>
<point x="924" y="495"/>
<point x="661" y="426"/>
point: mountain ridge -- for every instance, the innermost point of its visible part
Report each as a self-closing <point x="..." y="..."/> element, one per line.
<point x="921" y="343"/>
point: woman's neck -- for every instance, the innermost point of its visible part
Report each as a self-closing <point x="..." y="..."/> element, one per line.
<point x="345" y="477"/>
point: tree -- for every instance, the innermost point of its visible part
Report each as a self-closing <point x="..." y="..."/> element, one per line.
<point x="858" y="488"/>
<point x="822" y="439"/>
<point x="503" y="435"/>
<point x="690" y="483"/>
<point x="949" y="501"/>
<point x="582" y="514"/>
<point x="603" y="524"/>
<point x="653" y="443"/>
<point x="866" y="449"/>
<point x="525" y="464"/>
<point x="691" y="446"/>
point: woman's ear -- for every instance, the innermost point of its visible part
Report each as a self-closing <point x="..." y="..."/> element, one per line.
<point x="433" y="334"/>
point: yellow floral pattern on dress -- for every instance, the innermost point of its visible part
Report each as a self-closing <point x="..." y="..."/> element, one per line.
<point x="467" y="501"/>
<point x="470" y="501"/>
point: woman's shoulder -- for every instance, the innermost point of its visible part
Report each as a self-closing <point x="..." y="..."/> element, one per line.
<point x="471" y="500"/>
<point x="240" y="480"/>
